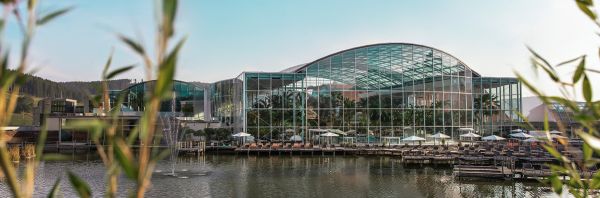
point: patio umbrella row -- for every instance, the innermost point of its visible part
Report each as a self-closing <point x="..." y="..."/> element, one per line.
<point x="517" y="133"/>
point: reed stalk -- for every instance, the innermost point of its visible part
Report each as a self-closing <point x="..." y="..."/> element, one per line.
<point x="29" y="151"/>
<point x="10" y="83"/>
<point x="15" y="153"/>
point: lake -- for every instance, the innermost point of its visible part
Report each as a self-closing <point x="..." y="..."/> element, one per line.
<point x="288" y="176"/>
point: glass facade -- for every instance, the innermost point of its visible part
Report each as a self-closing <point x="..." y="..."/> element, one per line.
<point x="368" y="92"/>
<point x="188" y="99"/>
<point x="226" y="102"/>
<point x="376" y="91"/>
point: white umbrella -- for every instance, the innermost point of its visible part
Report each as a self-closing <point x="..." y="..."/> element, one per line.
<point x="517" y="131"/>
<point x="313" y="132"/>
<point x="338" y="131"/>
<point x="555" y="132"/>
<point x="330" y="135"/>
<point x="439" y="136"/>
<point x="296" y="138"/>
<point x="241" y="134"/>
<point x="351" y="131"/>
<point x="493" y="138"/>
<point x="531" y="140"/>
<point x="521" y="135"/>
<point x="413" y="138"/>
<point x="470" y="134"/>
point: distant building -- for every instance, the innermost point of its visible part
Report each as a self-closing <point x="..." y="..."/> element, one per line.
<point x="389" y="89"/>
<point x="535" y="110"/>
<point x="373" y="91"/>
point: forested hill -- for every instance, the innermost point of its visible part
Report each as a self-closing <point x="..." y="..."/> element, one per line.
<point x="93" y="87"/>
<point x="40" y="87"/>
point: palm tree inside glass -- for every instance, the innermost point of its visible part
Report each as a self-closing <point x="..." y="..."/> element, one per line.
<point x="485" y="106"/>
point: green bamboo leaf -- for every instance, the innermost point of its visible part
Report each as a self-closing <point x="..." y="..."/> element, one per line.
<point x="569" y="61"/>
<point x="538" y="57"/>
<point x="169" y="14"/>
<point x="556" y="184"/>
<point x="585" y="7"/>
<point x="546" y="123"/>
<point x="579" y="71"/>
<point x="20" y="78"/>
<point x="125" y="158"/>
<point x="39" y="147"/>
<point x="31" y="4"/>
<point x="161" y="155"/>
<point x="119" y="71"/>
<point x="551" y="73"/>
<point x="55" y="189"/>
<point x="107" y="64"/>
<point x="4" y="63"/>
<point x="590" y="140"/>
<point x="7" y="2"/>
<point x="80" y="186"/>
<point x="587" y="152"/>
<point x="553" y="152"/>
<point x="593" y="70"/>
<point x="564" y="101"/>
<point x="134" y="45"/>
<point x="50" y="16"/>
<point x="167" y="72"/>
<point x="591" y="162"/>
<point x="133" y="134"/>
<point x="587" y="89"/>
<point x="595" y="184"/>
<point x="525" y="124"/>
<point x="1" y="25"/>
<point x="528" y="85"/>
<point x="557" y="169"/>
<point x="95" y="127"/>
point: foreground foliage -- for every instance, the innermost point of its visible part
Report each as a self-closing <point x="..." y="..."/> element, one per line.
<point x="580" y="83"/>
<point x="116" y="152"/>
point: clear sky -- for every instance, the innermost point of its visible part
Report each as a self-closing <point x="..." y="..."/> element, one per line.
<point x="229" y="36"/>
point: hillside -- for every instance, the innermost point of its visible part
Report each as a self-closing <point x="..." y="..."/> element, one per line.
<point x="42" y="88"/>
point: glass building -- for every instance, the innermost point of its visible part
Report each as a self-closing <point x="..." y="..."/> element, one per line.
<point x="370" y="92"/>
<point x="188" y="99"/>
<point x="226" y="102"/>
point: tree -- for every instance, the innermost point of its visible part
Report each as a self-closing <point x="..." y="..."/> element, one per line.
<point x="484" y="106"/>
<point x="24" y="104"/>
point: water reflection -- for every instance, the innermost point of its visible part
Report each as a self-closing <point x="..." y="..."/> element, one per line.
<point x="290" y="176"/>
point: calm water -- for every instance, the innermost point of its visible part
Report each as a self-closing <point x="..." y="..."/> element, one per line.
<point x="285" y="176"/>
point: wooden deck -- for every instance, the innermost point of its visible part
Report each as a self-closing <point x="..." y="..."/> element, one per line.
<point x="483" y="171"/>
<point x="198" y="147"/>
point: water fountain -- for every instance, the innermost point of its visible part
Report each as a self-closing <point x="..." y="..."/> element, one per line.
<point x="171" y="128"/>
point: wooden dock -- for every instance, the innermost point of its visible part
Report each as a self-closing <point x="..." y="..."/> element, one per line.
<point x="462" y="171"/>
<point x="197" y="147"/>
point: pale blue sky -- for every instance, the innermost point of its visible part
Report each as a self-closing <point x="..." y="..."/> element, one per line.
<point x="228" y="36"/>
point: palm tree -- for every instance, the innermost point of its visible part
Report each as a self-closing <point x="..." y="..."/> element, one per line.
<point x="484" y="107"/>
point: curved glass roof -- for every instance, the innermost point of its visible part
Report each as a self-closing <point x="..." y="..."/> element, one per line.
<point x="185" y="93"/>
<point x="385" y="65"/>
